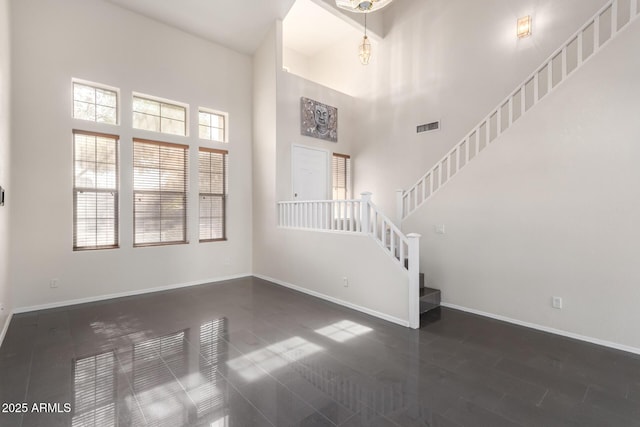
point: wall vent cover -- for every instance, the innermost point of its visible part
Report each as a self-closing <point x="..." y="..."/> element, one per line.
<point x="428" y="127"/>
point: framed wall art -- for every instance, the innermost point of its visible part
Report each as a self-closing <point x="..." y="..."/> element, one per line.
<point x="318" y="120"/>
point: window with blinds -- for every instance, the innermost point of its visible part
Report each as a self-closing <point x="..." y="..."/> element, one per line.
<point x="212" y="125"/>
<point x="160" y="183"/>
<point x="158" y="116"/>
<point x="95" y="191"/>
<point x="95" y="103"/>
<point x="341" y="176"/>
<point x="212" y="175"/>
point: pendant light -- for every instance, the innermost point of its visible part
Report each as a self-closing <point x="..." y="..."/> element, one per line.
<point x="365" y="46"/>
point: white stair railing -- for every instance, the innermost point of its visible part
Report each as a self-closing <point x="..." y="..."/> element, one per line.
<point x="360" y="216"/>
<point x="605" y="25"/>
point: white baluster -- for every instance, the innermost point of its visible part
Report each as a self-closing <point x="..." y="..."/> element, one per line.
<point x="400" y="206"/>
<point x="430" y="175"/>
<point x="352" y="218"/>
<point x="564" y="63"/>
<point x="365" y="212"/>
<point x="392" y="242"/>
<point x="579" y="47"/>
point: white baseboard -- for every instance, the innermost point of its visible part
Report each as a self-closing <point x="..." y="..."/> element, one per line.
<point x="546" y="329"/>
<point x="5" y="327"/>
<point x="126" y="294"/>
<point x="352" y="306"/>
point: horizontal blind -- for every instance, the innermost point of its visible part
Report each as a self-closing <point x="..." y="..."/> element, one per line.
<point x="95" y="191"/>
<point x="212" y="177"/>
<point x="341" y="174"/>
<point x="160" y="192"/>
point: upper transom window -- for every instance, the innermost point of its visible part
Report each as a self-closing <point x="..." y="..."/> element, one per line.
<point x="212" y="125"/>
<point x="95" y="103"/>
<point x="159" y="116"/>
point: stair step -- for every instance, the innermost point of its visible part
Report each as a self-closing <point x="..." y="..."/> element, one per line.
<point x="429" y="299"/>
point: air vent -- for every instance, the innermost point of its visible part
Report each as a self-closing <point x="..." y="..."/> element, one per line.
<point x="428" y="127"/>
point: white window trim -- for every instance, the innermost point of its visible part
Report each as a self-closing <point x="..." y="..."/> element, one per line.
<point x="98" y="86"/>
<point x="226" y="124"/>
<point x="187" y="117"/>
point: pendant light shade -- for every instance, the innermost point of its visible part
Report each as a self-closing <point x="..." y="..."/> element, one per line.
<point x="361" y="6"/>
<point x="365" y="51"/>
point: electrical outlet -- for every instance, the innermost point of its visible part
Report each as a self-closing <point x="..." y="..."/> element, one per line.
<point x="53" y="283"/>
<point x="440" y="229"/>
<point x="345" y="282"/>
<point x="556" y="302"/>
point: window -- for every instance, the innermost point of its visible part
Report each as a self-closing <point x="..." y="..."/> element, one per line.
<point x="341" y="173"/>
<point x="159" y="116"/>
<point x="212" y="173"/>
<point x="212" y="125"/>
<point x="95" y="191"/>
<point x="159" y="193"/>
<point x="94" y="103"/>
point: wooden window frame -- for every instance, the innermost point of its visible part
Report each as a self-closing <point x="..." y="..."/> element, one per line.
<point x="347" y="177"/>
<point x="115" y="191"/>
<point x="223" y="196"/>
<point x="185" y="193"/>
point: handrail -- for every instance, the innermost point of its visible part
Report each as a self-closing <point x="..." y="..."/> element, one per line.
<point x="579" y="48"/>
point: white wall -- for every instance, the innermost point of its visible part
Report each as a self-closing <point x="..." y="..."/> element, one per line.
<point x="551" y="209"/>
<point x="314" y="262"/>
<point x="265" y="63"/>
<point x="98" y="41"/>
<point x="451" y="61"/>
<point x="5" y="135"/>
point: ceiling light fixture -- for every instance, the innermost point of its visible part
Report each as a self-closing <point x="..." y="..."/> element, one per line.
<point x="524" y="27"/>
<point x="361" y="6"/>
<point x="365" y="46"/>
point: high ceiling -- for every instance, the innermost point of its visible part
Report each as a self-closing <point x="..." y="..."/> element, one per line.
<point x="238" y="24"/>
<point x="309" y="28"/>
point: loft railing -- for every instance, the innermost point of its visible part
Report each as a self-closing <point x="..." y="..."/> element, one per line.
<point x="581" y="46"/>
<point x="360" y="216"/>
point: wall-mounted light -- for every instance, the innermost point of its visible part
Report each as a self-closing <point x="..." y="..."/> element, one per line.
<point x="524" y="26"/>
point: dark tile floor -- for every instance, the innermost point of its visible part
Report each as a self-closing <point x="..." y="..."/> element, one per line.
<point x="250" y="353"/>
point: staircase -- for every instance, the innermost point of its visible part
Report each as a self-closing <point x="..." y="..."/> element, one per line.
<point x="604" y="26"/>
<point x="362" y="216"/>
<point x="429" y="297"/>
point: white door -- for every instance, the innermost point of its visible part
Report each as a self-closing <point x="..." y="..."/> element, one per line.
<point x="310" y="173"/>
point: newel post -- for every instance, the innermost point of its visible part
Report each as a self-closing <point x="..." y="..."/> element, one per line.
<point x="414" y="280"/>
<point x="399" y="207"/>
<point x="365" y="212"/>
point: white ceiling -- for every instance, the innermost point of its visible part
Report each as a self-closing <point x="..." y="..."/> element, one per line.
<point x="238" y="24"/>
<point x="310" y="28"/>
